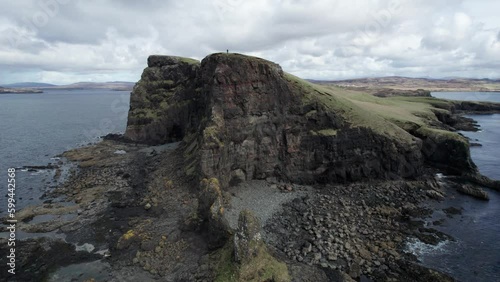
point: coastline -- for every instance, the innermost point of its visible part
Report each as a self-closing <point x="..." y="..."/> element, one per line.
<point x="134" y="208"/>
<point x="378" y="224"/>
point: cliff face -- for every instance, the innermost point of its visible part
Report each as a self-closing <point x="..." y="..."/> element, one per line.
<point x="243" y="118"/>
<point x="262" y="125"/>
<point x="162" y="104"/>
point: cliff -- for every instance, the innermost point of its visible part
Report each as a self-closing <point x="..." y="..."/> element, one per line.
<point x="243" y="118"/>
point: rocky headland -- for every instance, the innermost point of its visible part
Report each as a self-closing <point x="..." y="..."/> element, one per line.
<point x="233" y="170"/>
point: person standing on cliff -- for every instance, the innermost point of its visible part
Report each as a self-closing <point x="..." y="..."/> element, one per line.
<point x="227" y="51"/>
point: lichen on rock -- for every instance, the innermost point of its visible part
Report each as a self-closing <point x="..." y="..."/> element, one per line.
<point x="247" y="237"/>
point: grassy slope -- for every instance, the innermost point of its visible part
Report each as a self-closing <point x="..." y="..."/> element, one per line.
<point x="388" y="116"/>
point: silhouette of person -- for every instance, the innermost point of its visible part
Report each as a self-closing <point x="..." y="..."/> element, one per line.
<point x="227" y="51"/>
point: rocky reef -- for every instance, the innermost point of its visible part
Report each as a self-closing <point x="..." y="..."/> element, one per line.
<point x="242" y="118"/>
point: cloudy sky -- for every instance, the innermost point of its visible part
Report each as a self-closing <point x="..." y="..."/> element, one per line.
<point x="64" y="41"/>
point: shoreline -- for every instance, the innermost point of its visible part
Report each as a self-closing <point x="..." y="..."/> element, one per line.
<point x="99" y="160"/>
<point x="132" y="210"/>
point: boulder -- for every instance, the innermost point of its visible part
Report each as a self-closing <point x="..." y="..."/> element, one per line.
<point x="242" y="118"/>
<point x="211" y="212"/>
<point x="474" y="191"/>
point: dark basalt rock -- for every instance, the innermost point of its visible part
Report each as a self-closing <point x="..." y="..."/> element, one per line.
<point x="247" y="237"/>
<point x="250" y="123"/>
<point x="473" y="191"/>
<point x="211" y="212"/>
<point x="476" y="107"/>
<point x="163" y="102"/>
<point x="243" y="118"/>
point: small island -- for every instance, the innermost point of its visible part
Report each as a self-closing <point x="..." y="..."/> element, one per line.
<point x="4" y="90"/>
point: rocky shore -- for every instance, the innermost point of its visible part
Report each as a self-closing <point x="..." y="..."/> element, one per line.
<point x="134" y="215"/>
<point x="360" y="229"/>
<point x="232" y="170"/>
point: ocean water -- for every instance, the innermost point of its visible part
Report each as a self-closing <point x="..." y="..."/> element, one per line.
<point x="475" y="253"/>
<point x="37" y="127"/>
<point x="469" y="96"/>
<point x="487" y="157"/>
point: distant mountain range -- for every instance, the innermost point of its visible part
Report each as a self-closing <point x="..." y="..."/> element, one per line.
<point x="393" y="82"/>
<point x="27" y="85"/>
<point x="113" y="85"/>
<point x="431" y="84"/>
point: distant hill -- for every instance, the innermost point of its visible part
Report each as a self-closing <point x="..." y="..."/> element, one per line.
<point x="431" y="84"/>
<point x="113" y="85"/>
<point x="4" y="90"/>
<point x="28" y="85"/>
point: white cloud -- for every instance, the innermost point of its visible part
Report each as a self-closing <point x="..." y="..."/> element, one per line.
<point x="324" y="39"/>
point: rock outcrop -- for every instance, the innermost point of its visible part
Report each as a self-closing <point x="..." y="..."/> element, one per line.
<point x="247" y="257"/>
<point x="243" y="118"/>
<point x="211" y="212"/>
<point x="474" y="191"/>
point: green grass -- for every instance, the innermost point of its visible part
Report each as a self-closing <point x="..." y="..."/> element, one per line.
<point x="225" y="267"/>
<point x="439" y="134"/>
<point x="391" y="116"/>
<point x="327" y="132"/>
<point x="357" y="108"/>
<point x="431" y="101"/>
<point x="262" y="267"/>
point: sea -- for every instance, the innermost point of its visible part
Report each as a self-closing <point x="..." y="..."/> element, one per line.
<point x="37" y="128"/>
<point x="474" y="255"/>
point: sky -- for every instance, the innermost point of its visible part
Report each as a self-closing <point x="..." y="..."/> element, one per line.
<point x="65" y="41"/>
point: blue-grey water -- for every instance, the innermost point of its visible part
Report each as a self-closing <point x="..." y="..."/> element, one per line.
<point x="37" y="127"/>
<point x="475" y="255"/>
